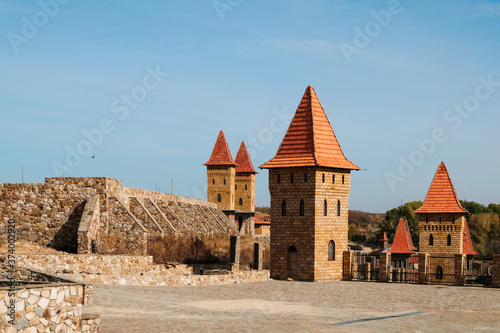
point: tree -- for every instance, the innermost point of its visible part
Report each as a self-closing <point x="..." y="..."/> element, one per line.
<point x="473" y="207"/>
<point x="407" y="211"/>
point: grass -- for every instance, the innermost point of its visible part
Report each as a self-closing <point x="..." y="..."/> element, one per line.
<point x="195" y="248"/>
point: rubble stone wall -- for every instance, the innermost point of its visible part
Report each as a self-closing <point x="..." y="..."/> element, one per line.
<point x="53" y="308"/>
<point x="52" y="214"/>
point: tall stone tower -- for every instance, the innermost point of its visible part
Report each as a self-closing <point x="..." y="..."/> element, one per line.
<point x="221" y="170"/>
<point x="309" y="183"/>
<point x="245" y="181"/>
<point x="442" y="225"/>
<point x="244" y="199"/>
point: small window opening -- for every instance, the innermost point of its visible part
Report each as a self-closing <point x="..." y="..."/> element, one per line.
<point x="302" y="207"/>
<point x="331" y="250"/>
<point x="305" y="178"/>
<point x="240" y="201"/>
<point x="246" y="188"/>
<point x="213" y="181"/>
<point x="224" y="181"/>
<point x="448" y="240"/>
<point x="342" y="179"/>
<point x="278" y="180"/>
<point x="283" y="208"/>
<point x="325" y="208"/>
<point x="323" y="178"/>
<point x="338" y="208"/>
<point x="291" y="178"/>
<point x="219" y="198"/>
<point x="431" y="240"/>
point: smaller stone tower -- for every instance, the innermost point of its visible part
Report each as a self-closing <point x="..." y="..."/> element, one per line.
<point x="244" y="199"/>
<point x="245" y="181"/>
<point x="442" y="225"/>
<point x="221" y="171"/>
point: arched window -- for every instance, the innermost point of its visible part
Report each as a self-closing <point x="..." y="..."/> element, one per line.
<point x="338" y="208"/>
<point x="283" y="208"/>
<point x="342" y="179"/>
<point x="224" y="181"/>
<point x="219" y="199"/>
<point x="439" y="273"/>
<point x="240" y="201"/>
<point x="331" y="250"/>
<point x="305" y="178"/>
<point x="333" y="179"/>
<point x="235" y="187"/>
<point x="323" y="178"/>
<point x="302" y="207"/>
<point x="213" y="181"/>
<point x="325" y="208"/>
<point x="246" y="188"/>
<point x="431" y="240"/>
<point x="448" y="240"/>
<point x="278" y="179"/>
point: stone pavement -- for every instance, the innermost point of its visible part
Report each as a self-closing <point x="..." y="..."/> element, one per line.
<point x="282" y="306"/>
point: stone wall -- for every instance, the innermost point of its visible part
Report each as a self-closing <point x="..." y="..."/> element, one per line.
<point x="133" y="270"/>
<point x="53" y="308"/>
<point x="71" y="214"/>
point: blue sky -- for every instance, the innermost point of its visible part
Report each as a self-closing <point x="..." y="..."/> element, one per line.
<point x="405" y="84"/>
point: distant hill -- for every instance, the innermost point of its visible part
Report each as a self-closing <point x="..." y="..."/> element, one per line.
<point x="364" y="227"/>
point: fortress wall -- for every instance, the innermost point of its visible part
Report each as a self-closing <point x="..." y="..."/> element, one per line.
<point x="50" y="214"/>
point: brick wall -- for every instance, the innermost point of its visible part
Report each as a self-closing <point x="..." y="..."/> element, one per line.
<point x="311" y="233"/>
<point x="220" y="181"/>
<point x="244" y="190"/>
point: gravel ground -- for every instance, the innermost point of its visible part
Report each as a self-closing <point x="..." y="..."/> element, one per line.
<point x="282" y="306"/>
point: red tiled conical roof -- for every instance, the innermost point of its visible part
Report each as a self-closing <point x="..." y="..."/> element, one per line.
<point x="402" y="240"/>
<point x="309" y="140"/>
<point x="221" y="154"/>
<point x="441" y="197"/>
<point x="243" y="160"/>
<point x="384" y="238"/>
<point x="467" y="244"/>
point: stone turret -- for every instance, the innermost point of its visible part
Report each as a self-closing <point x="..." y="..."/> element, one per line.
<point x="309" y="183"/>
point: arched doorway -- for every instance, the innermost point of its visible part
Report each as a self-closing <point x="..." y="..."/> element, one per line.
<point x="439" y="273"/>
<point x="240" y="223"/>
<point x="291" y="266"/>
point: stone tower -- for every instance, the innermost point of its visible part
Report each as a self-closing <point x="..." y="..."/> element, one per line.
<point x="309" y="183"/>
<point x="244" y="198"/>
<point x="442" y="225"/>
<point x="221" y="170"/>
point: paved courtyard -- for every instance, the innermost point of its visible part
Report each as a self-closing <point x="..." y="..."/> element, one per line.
<point x="282" y="306"/>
